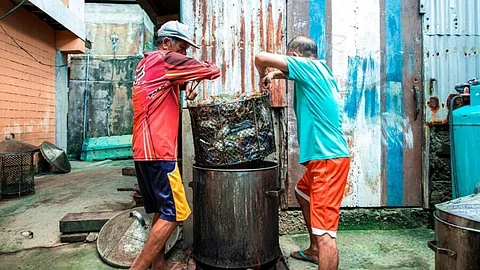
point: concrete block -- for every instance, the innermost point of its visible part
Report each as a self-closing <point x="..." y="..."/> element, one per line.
<point x="129" y="171"/>
<point x="85" y="221"/>
<point x="113" y="147"/>
<point x="73" y="237"/>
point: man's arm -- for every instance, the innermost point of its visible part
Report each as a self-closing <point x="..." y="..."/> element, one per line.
<point x="264" y="60"/>
<point x="266" y="81"/>
<point x="181" y="68"/>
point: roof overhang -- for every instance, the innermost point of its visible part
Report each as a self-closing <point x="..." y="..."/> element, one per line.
<point x="160" y="11"/>
<point x="57" y="15"/>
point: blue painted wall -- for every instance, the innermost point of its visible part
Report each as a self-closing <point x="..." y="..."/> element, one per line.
<point x="393" y="103"/>
<point x="361" y="87"/>
<point x="318" y="23"/>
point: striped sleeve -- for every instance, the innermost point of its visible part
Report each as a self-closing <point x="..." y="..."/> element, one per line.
<point x="180" y="68"/>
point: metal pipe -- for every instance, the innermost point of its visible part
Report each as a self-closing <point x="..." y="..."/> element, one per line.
<point x="85" y="97"/>
<point x="114" y="39"/>
<point x="109" y="97"/>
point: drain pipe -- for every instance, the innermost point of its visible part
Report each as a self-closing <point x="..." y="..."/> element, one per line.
<point x="85" y="97"/>
<point x="114" y="38"/>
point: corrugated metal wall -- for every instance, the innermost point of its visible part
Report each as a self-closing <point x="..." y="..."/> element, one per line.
<point x="374" y="49"/>
<point x="451" y="51"/>
<point x="230" y="33"/>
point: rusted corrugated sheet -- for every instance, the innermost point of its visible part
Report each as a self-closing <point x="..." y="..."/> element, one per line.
<point x="230" y="33"/>
<point x="374" y="50"/>
<point x="451" y="51"/>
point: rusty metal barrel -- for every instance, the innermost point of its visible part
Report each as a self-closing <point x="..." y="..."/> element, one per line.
<point x="236" y="215"/>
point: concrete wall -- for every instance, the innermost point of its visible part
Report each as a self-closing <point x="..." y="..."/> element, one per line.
<point x="110" y="76"/>
<point x="27" y="88"/>
<point x="129" y="22"/>
<point x="109" y="105"/>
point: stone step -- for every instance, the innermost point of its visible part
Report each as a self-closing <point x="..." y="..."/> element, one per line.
<point x="73" y="237"/>
<point x="85" y="221"/>
<point x="129" y="171"/>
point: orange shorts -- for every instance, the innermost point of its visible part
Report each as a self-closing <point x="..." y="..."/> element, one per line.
<point x="323" y="185"/>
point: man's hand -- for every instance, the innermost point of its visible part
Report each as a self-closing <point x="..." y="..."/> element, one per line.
<point x="265" y="82"/>
<point x="190" y="92"/>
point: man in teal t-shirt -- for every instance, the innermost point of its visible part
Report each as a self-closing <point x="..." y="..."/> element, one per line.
<point x="323" y="148"/>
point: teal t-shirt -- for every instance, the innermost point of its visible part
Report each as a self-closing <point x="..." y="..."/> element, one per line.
<point x="318" y="107"/>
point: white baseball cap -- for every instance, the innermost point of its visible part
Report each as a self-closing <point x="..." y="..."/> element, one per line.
<point x="176" y="29"/>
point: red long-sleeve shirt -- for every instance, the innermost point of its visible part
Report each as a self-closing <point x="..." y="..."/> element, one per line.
<point x="156" y="101"/>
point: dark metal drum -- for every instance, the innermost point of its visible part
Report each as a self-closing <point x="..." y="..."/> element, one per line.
<point x="235" y="219"/>
<point x="457" y="233"/>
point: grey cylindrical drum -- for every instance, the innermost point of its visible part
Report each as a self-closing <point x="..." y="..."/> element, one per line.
<point x="236" y="216"/>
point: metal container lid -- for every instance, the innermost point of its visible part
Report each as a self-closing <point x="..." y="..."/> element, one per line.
<point x="55" y="157"/>
<point x="122" y="238"/>
<point x="12" y="146"/>
<point x="463" y="212"/>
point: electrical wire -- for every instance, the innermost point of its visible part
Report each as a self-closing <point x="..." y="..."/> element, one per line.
<point x="19" y="46"/>
<point x="33" y="57"/>
<point x="12" y="10"/>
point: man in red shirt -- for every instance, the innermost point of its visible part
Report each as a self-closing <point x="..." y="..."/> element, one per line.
<point x="156" y="104"/>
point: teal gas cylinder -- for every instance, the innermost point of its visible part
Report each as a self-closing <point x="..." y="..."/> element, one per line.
<point x="465" y="145"/>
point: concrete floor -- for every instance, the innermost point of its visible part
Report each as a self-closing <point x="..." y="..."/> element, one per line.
<point x="93" y="187"/>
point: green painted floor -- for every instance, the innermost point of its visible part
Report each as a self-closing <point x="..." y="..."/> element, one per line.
<point x="371" y="249"/>
<point x="92" y="187"/>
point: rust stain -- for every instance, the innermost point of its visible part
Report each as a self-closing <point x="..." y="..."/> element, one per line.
<point x="351" y="145"/>
<point x="234" y="34"/>
<point x="194" y="50"/>
<point x="278" y="99"/>
<point x="348" y="189"/>
<point x="214" y="38"/>
<point x="437" y="123"/>
<point x="204" y="16"/>
<point x="224" y="68"/>
<point x="434" y="104"/>
<point x="242" y="49"/>
<point x="252" y="54"/>
<point x="261" y="26"/>
<point x="270" y="29"/>
<point x="279" y="37"/>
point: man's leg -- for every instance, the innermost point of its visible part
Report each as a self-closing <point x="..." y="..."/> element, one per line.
<point x="160" y="258"/>
<point x="162" y="192"/>
<point x="328" y="187"/>
<point x="327" y="252"/>
<point x="154" y="249"/>
<point x="312" y="250"/>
